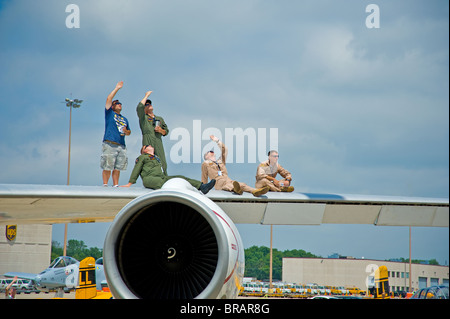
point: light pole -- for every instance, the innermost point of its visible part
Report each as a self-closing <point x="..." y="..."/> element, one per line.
<point x="75" y="103"/>
<point x="72" y="104"/>
<point x="410" y="272"/>
<point x="271" y="260"/>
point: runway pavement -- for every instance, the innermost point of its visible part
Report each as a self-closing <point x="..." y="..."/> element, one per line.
<point x="42" y="295"/>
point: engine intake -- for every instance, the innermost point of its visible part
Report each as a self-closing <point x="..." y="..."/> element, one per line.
<point x="172" y="244"/>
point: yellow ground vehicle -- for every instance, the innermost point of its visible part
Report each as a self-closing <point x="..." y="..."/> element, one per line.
<point x="355" y="291"/>
<point x="340" y="290"/>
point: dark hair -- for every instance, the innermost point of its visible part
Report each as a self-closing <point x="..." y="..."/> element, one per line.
<point x="148" y="102"/>
<point x="143" y="148"/>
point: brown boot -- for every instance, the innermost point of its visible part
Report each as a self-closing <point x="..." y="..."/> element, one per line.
<point x="260" y="191"/>
<point x="237" y="188"/>
<point x="288" y="189"/>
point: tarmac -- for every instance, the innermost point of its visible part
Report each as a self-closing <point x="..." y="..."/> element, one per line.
<point x="41" y="295"/>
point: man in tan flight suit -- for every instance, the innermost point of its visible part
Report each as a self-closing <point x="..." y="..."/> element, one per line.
<point x="216" y="169"/>
<point x="268" y="170"/>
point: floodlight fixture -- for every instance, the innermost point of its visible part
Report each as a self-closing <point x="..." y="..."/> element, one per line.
<point x="76" y="103"/>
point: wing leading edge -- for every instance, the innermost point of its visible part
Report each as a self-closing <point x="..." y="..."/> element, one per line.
<point x="51" y="204"/>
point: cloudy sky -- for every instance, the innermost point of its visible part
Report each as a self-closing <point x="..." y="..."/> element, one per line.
<point x="357" y="110"/>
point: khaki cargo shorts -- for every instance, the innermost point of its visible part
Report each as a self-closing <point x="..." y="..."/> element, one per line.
<point x="114" y="157"/>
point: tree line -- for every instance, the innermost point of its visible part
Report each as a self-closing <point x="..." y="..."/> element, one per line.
<point x="76" y="249"/>
<point x="257" y="261"/>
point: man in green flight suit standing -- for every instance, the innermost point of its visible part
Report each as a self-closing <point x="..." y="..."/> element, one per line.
<point x="153" y="128"/>
<point x="149" y="167"/>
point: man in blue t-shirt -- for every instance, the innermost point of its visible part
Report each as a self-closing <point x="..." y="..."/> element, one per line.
<point x="114" y="151"/>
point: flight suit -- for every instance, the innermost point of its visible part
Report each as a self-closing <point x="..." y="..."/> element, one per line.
<point x="211" y="170"/>
<point x="265" y="170"/>
<point x="149" y="136"/>
<point x="150" y="169"/>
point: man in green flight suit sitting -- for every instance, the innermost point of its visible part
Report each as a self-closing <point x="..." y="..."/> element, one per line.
<point x="149" y="167"/>
<point x="153" y="128"/>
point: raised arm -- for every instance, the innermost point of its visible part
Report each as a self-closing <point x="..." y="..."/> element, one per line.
<point x="223" y="148"/>
<point x="111" y="95"/>
<point x="147" y="94"/>
<point x="12" y="283"/>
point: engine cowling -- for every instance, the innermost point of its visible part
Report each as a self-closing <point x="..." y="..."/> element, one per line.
<point x="173" y="243"/>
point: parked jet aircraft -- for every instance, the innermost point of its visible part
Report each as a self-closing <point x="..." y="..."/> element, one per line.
<point x="62" y="274"/>
<point x="192" y="247"/>
<point x="59" y="275"/>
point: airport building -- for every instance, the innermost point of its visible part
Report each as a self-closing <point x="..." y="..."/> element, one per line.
<point x="350" y="272"/>
<point x="25" y="248"/>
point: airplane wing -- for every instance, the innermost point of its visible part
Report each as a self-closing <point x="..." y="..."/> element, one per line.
<point x="50" y="204"/>
<point x="20" y="275"/>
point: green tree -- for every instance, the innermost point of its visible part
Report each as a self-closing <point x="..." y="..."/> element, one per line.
<point x="417" y="261"/>
<point x="76" y="249"/>
<point x="57" y="250"/>
<point x="257" y="261"/>
<point x="433" y="262"/>
<point x="95" y="252"/>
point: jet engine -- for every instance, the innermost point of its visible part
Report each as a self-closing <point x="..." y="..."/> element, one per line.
<point x="173" y="243"/>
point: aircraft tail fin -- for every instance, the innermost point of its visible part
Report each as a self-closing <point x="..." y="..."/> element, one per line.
<point x="382" y="283"/>
<point x="86" y="288"/>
